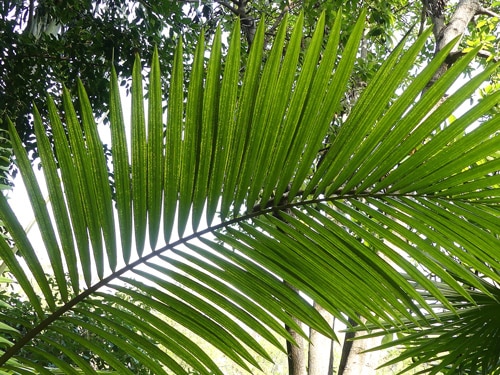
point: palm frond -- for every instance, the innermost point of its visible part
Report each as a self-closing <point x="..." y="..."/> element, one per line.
<point x="463" y="342"/>
<point x="396" y="185"/>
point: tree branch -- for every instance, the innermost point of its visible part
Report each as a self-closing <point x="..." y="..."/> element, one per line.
<point x="247" y="22"/>
<point x="31" y="11"/>
<point x="423" y="18"/>
<point x="487" y="55"/>
<point x="230" y="7"/>
<point x="487" y="12"/>
<point x="278" y="20"/>
<point x="444" y="33"/>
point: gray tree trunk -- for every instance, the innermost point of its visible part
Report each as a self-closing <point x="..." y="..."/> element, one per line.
<point x="297" y="355"/>
<point x="354" y="360"/>
<point x="359" y="362"/>
<point x="444" y="33"/>
<point x="320" y="361"/>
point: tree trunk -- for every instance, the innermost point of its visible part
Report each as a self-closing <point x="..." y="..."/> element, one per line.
<point x="320" y="361"/>
<point x="354" y="361"/>
<point x="297" y="355"/>
<point x="359" y="362"/>
<point x="297" y="359"/>
<point x="346" y="348"/>
<point x="444" y="32"/>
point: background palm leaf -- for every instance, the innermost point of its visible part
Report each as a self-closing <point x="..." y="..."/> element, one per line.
<point x="340" y="223"/>
<point x="461" y="342"/>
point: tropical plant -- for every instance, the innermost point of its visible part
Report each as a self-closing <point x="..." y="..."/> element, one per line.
<point x="248" y="194"/>
<point x="16" y="309"/>
<point x="467" y="338"/>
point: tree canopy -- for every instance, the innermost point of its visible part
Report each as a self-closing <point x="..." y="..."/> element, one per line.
<point x="45" y="44"/>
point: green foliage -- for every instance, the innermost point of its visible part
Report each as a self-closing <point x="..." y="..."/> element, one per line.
<point x="237" y="193"/>
<point x="45" y="43"/>
<point x="18" y="313"/>
<point x="464" y="341"/>
<point x="483" y="35"/>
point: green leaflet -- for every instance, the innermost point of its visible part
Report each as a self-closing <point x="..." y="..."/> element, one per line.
<point x="155" y="152"/>
<point x="121" y="169"/>
<point x="83" y="170"/>
<point x="175" y="113"/>
<point x="61" y="216"/>
<point x="225" y="130"/>
<point x="190" y="146"/>
<point x="17" y="232"/>
<point x="139" y="159"/>
<point x="99" y="177"/>
<point x="208" y="173"/>
<point x="73" y="192"/>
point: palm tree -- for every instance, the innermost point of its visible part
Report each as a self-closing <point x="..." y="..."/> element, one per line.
<point x="247" y="193"/>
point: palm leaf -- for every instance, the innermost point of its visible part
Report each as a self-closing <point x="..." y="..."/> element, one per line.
<point x="395" y="185"/>
<point x="463" y="342"/>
